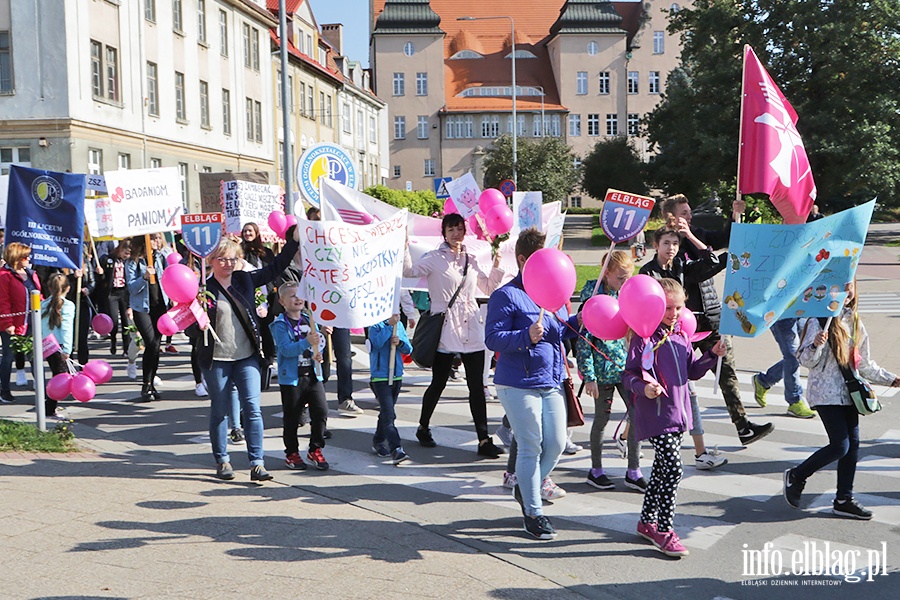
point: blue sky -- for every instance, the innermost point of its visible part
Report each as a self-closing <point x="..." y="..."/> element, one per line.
<point x="354" y="14"/>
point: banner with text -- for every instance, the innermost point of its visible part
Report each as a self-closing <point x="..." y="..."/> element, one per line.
<point x="144" y="201"/>
<point x="245" y="202"/>
<point x="779" y="271"/>
<point x="98" y="215"/>
<point x="45" y="210"/>
<point x="350" y="272"/>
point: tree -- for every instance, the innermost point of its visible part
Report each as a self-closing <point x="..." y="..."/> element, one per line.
<point x="837" y="63"/>
<point x="546" y="165"/>
<point x="613" y="163"/>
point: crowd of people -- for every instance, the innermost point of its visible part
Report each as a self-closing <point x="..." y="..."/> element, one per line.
<point x="259" y="325"/>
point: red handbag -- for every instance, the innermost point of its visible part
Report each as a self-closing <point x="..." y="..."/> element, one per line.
<point x="574" y="412"/>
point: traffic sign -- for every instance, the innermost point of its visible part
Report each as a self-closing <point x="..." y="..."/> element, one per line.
<point x="624" y="215"/>
<point x="507" y="187"/>
<point x="440" y="187"/>
<point x="202" y="232"/>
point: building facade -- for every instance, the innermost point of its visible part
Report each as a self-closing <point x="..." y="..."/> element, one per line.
<point x="585" y="71"/>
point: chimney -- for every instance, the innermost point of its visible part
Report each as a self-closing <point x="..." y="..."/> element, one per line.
<point x="334" y="33"/>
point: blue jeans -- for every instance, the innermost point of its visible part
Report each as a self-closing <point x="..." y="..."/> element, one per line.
<point x="788" y="368"/>
<point x="538" y="418"/>
<point x="340" y="344"/>
<point x="386" y="431"/>
<point x="221" y="379"/>
<point x="6" y="361"/>
<point x="842" y="425"/>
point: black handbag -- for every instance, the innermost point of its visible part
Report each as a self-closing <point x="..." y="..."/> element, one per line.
<point x="861" y="393"/>
<point x="427" y="336"/>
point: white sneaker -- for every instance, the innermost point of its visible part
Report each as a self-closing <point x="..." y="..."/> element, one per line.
<point x="509" y="480"/>
<point x="622" y="446"/>
<point x="551" y="491"/>
<point x="349" y="408"/>
<point x="200" y="390"/>
<point x="157" y="382"/>
<point x="21" y="380"/>
<point x="132" y="371"/>
<point x="710" y="460"/>
<point x="572" y="448"/>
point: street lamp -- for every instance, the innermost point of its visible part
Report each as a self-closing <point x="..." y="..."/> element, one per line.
<point x="515" y="127"/>
<point x="543" y="127"/>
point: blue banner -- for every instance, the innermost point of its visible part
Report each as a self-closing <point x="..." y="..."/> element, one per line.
<point x="45" y="211"/>
<point x="777" y="271"/>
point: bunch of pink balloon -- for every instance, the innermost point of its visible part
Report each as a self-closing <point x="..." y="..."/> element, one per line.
<point x="166" y="325"/>
<point x="173" y="259"/>
<point x="83" y="386"/>
<point x="498" y="218"/>
<point x="277" y="222"/>
<point x="180" y="283"/>
<point x="602" y="317"/>
<point x="102" y="324"/>
<point x="687" y="320"/>
<point x="450" y="207"/>
<point x="642" y="304"/>
<point x="549" y="278"/>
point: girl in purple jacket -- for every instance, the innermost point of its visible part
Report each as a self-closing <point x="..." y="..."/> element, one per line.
<point x="656" y="374"/>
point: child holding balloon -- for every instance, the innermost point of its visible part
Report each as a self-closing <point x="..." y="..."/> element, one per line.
<point x="656" y="374"/>
<point x="58" y="319"/>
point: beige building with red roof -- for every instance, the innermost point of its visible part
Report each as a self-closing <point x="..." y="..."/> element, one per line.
<point x="586" y="70"/>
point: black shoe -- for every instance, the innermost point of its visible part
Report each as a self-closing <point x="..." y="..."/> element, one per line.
<point x="153" y="393"/>
<point x="539" y="527"/>
<point x="601" y="482"/>
<point x="487" y="448"/>
<point x="258" y="473"/>
<point x="424" y="437"/>
<point x="752" y="432"/>
<point x="327" y="434"/>
<point x="146" y="396"/>
<point x="6" y="397"/>
<point x="236" y="436"/>
<point x="224" y="471"/>
<point x="851" y="508"/>
<point x="112" y="347"/>
<point x="793" y="487"/>
<point x="517" y="494"/>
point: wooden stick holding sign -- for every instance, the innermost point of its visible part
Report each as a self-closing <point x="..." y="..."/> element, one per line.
<point x="149" y="250"/>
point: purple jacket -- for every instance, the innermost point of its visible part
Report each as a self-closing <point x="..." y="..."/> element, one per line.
<point x="673" y="365"/>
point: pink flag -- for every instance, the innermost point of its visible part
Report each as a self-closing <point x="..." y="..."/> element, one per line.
<point x="772" y="158"/>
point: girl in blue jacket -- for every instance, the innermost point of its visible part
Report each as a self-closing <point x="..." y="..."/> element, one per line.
<point x="381" y="339"/>
<point x="57" y="318"/>
<point x="656" y="374"/>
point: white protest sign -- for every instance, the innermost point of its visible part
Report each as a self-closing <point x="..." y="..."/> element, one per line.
<point x="98" y="214"/>
<point x="350" y="271"/>
<point x="144" y="201"/>
<point x="465" y="192"/>
<point x="527" y="211"/>
<point x="554" y="231"/>
<point x="247" y="202"/>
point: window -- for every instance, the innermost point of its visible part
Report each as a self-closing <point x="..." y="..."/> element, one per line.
<point x="653" y="88"/>
<point x="593" y="48"/>
<point x="360" y="129"/>
<point x="223" y="32"/>
<point x="96" y="69"/>
<point x="612" y="124"/>
<point x="204" y="104"/>
<point x="257" y="121"/>
<point x="421" y="84"/>
<point x="327" y="110"/>
<point x="124" y="161"/>
<point x="309" y="44"/>
<point x="399" y="85"/>
<point x="675" y="8"/>
<point x="6" y="75"/>
<point x="469" y="127"/>
<point x="429" y="167"/>
<point x="604" y="82"/>
<point x="302" y="98"/>
<point x="246" y="33"/>
<point x="575" y="202"/>
<point x="422" y="128"/>
<point x="554" y="125"/>
<point x="396" y="170"/>
<point x="290" y="93"/>
<point x="409" y="48"/>
<point x="464" y="54"/>
<point x="490" y="126"/>
<point x="112" y="74"/>
<point x="226" y="111"/>
<point x="254" y="47"/>
<point x="278" y="89"/>
<point x="634" y="122"/>
<point x="581" y="83"/>
<point x="593" y="121"/>
<point x="182" y="175"/>
<point x="373" y="131"/>
<point x="249" y="119"/>
<point x="659" y="42"/>
<point x="95" y="161"/>
<point x="574" y="125"/>
<point x="180" y="110"/>
<point x="104" y="71"/>
<point x="150" y="10"/>
<point x="155" y="163"/>
<point x="347" y="119"/>
<point x="176" y="15"/>
<point x="201" y="20"/>
<point x="309" y="101"/>
<point x="10" y="156"/>
<point x="399" y="128"/>
<point x="520" y="121"/>
<point x="633" y="77"/>
<point x="152" y="89"/>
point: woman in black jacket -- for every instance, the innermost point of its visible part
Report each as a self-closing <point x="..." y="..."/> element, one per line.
<point x="234" y="360"/>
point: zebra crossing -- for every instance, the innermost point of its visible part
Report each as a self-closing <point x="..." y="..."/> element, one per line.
<point x="880" y="302"/>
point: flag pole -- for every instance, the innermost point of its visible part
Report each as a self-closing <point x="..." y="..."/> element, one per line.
<point x="603" y="267"/>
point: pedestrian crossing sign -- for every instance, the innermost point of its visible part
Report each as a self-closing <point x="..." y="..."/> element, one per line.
<point x="440" y="187"/>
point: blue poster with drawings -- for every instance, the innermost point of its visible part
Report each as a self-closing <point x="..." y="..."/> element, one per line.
<point x="779" y="271"/>
<point x="527" y="211"/>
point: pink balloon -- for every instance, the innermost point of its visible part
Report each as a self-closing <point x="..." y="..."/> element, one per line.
<point x="289" y="221"/>
<point x="490" y="198"/>
<point x="83" y="388"/>
<point x="642" y="303"/>
<point x="277" y="222"/>
<point x="173" y="258"/>
<point x="688" y="322"/>
<point x="475" y="227"/>
<point x="59" y="386"/>
<point x="180" y="283"/>
<point x="498" y="220"/>
<point x="102" y="324"/>
<point x="450" y="207"/>
<point x="602" y="318"/>
<point x="99" y="371"/>
<point x="166" y="325"/>
<point x="549" y="278"/>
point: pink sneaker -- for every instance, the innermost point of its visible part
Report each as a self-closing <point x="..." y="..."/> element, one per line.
<point x="669" y="544"/>
<point x="647" y="531"/>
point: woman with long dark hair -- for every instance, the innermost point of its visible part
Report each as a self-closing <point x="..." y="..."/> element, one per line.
<point x="148" y="302"/>
<point x="17" y="280"/>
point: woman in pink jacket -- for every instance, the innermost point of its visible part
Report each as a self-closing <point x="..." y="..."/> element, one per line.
<point x="447" y="269"/>
<point x="17" y="280"/>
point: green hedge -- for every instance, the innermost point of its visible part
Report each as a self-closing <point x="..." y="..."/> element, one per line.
<point x="421" y="203"/>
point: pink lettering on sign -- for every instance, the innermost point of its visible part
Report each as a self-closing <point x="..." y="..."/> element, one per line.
<point x="185" y="314"/>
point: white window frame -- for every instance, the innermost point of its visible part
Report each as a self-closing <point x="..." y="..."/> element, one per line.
<point x="152" y="89"/>
<point x="180" y="98"/>
<point x="581" y="83"/>
<point x="422" y="127"/>
<point x="574" y="125"/>
<point x="653" y="86"/>
<point x="593" y="124"/>
<point x="226" y="111"/>
<point x="399" y="128"/>
<point x="421" y="84"/>
<point x="633" y="82"/>
<point x="399" y="84"/>
<point x="604" y="83"/>
<point x="659" y="42"/>
<point x="612" y="124"/>
<point x="429" y="167"/>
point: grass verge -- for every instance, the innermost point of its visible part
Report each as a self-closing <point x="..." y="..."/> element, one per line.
<point x="26" y="437"/>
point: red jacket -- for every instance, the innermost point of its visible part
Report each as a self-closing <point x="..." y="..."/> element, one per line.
<point x="14" y="299"/>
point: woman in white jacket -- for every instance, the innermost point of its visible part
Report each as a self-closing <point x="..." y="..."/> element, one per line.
<point x="847" y="345"/>
<point x="463" y="330"/>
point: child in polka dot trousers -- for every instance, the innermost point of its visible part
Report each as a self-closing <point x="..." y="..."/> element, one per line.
<point x="657" y="371"/>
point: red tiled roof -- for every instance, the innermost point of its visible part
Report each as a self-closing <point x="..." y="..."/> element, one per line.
<point x="290" y="6"/>
<point x="293" y="51"/>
